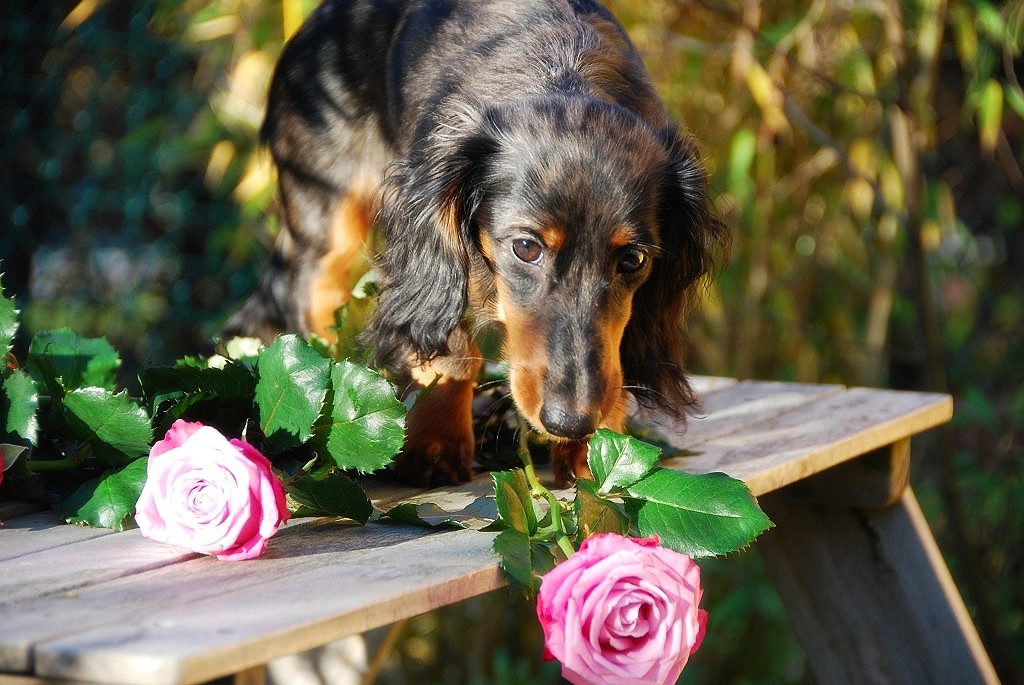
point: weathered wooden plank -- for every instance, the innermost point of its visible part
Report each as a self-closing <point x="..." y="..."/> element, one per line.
<point x="125" y="599"/>
<point x="74" y="565"/>
<point x="869" y="596"/>
<point x="703" y="385"/>
<point x="129" y="591"/>
<point x="734" y="407"/>
<point x="339" y="589"/>
<point x="779" y="451"/>
<point x="876" y="479"/>
<point x="40" y="531"/>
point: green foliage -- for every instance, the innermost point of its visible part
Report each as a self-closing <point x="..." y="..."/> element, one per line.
<point x="595" y="513"/>
<point x="277" y="400"/>
<point x="618" y="461"/>
<point x="696" y="514"/>
<point x="112" y="427"/>
<point x="479" y="515"/>
<point x="223" y="394"/>
<point x="292" y="386"/>
<point x="364" y="423"/>
<point x="330" y="494"/>
<point x="516" y="506"/>
<point x="19" y="403"/>
<point x="8" y="321"/>
<point x="107" y="501"/>
<point x="66" y="358"/>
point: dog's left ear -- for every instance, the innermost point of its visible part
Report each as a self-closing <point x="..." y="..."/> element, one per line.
<point x="654" y="344"/>
<point x="428" y="203"/>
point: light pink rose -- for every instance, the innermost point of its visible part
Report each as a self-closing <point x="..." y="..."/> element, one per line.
<point x="622" y="610"/>
<point x="209" y="494"/>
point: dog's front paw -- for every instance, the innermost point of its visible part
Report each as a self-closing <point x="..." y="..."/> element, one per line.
<point x="435" y="462"/>
<point x="569" y="462"/>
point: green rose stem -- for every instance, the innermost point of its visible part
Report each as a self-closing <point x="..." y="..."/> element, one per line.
<point x="540" y="492"/>
<point x="53" y="465"/>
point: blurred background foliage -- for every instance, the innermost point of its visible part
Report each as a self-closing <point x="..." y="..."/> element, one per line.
<point x="868" y="156"/>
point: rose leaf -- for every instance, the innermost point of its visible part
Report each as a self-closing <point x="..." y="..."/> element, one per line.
<point x="290" y="392"/>
<point x="77" y="361"/>
<point x="516" y="506"/>
<point x="107" y="501"/>
<point x="618" y="461"/>
<point x="524" y="562"/>
<point x="116" y="428"/>
<point x="221" y="396"/>
<point x="597" y="514"/>
<point x="696" y="514"/>
<point x="332" y="495"/>
<point x="365" y="426"/>
<point x="8" y="322"/>
<point x="18" y="405"/>
<point x="478" y="515"/>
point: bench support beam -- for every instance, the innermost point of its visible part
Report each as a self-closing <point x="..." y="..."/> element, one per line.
<point x="869" y="595"/>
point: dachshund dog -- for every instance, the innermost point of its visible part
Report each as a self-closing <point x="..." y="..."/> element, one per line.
<point x="521" y="170"/>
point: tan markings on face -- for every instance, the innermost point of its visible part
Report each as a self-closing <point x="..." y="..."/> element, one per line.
<point x="613" y="404"/>
<point x="553" y="237"/>
<point x="526" y="352"/>
<point x="345" y="257"/>
<point x="622" y="237"/>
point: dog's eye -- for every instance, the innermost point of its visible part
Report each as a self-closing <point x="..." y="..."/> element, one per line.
<point x="529" y="251"/>
<point x="632" y="260"/>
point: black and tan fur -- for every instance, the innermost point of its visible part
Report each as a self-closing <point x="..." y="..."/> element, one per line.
<point x="521" y="170"/>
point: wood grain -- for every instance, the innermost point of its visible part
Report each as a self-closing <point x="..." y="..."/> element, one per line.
<point x="20" y="536"/>
<point x="84" y="604"/>
<point x="869" y="596"/>
<point x="339" y="590"/>
<point x="810" y="438"/>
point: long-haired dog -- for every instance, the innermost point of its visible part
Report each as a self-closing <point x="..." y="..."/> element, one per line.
<point x="521" y="170"/>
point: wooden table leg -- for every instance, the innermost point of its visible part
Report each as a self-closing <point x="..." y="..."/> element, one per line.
<point x="869" y="595"/>
<point x="257" y="675"/>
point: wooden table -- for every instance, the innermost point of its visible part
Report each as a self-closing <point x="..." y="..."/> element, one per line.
<point x="851" y="554"/>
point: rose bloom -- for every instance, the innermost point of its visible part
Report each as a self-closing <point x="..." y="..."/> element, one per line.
<point x="622" y="610"/>
<point x="209" y="494"/>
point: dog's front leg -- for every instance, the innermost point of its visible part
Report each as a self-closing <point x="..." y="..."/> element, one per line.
<point x="439" y="442"/>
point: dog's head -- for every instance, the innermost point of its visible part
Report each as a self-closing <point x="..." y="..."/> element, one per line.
<point x="579" y="226"/>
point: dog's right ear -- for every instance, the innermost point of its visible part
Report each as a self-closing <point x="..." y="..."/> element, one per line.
<point x="428" y="202"/>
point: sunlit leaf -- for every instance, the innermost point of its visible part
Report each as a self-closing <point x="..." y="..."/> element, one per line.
<point x="365" y="425"/>
<point x="76" y="360"/>
<point x="696" y="514"/>
<point x="617" y="461"/>
<point x="524" y="562"/>
<point x="516" y="505"/>
<point x="19" y="403"/>
<point x="116" y="429"/>
<point x="107" y="501"/>
<point x="290" y="393"/>
<point x="8" y="321"/>
<point x="597" y="514"/>
<point x="480" y="514"/>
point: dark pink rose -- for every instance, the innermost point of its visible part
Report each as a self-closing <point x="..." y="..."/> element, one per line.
<point x="210" y="494"/>
<point x="622" y="610"/>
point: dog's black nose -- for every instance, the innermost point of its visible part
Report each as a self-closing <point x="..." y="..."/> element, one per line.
<point x="558" y="421"/>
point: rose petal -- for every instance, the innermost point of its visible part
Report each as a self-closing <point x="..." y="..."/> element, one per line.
<point x="210" y="495"/>
<point x="622" y="611"/>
